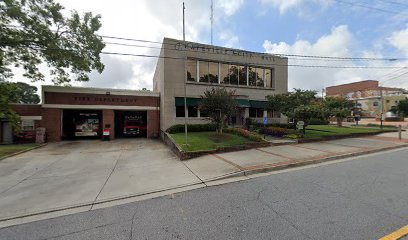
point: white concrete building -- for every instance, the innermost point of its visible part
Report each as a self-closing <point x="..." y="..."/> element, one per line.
<point x="196" y="67"/>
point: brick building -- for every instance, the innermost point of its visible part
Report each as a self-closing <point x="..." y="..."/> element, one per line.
<point x="368" y="95"/>
<point x="74" y="112"/>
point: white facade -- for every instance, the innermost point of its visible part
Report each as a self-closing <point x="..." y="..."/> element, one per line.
<point x="194" y="67"/>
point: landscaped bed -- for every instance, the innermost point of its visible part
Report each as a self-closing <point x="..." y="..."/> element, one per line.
<point x="207" y="141"/>
<point x="322" y="131"/>
<point x="6" y="150"/>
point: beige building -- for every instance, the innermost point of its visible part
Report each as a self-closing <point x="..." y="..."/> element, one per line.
<point x="193" y="67"/>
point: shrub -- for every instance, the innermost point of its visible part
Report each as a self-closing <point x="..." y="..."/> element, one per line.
<point x="294" y="136"/>
<point x="243" y="133"/>
<point x="274" y="131"/>
<point x="317" y="121"/>
<point x="278" y="125"/>
<point x="378" y="125"/>
<point x="178" y="128"/>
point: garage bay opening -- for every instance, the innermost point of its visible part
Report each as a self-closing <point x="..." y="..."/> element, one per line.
<point x="81" y="124"/>
<point x="130" y="124"/>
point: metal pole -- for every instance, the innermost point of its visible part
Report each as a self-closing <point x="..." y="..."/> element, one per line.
<point x="382" y="107"/>
<point x="399" y="132"/>
<point x="185" y="82"/>
<point x="212" y="21"/>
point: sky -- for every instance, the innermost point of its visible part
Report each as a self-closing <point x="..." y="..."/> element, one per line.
<point x="335" y="28"/>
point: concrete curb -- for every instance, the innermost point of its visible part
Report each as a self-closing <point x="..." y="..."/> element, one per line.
<point x="315" y="161"/>
<point x="223" y="177"/>
<point x="23" y="151"/>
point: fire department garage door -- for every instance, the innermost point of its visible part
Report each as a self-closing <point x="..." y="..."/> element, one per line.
<point x="130" y="124"/>
<point x="81" y="124"/>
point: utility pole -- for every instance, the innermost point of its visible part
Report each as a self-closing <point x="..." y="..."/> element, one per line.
<point x="212" y="21"/>
<point x="185" y="80"/>
<point x="382" y="106"/>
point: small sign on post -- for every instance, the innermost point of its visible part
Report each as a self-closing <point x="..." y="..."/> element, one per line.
<point x="300" y="126"/>
<point x="265" y="120"/>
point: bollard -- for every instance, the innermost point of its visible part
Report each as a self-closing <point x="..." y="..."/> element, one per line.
<point x="399" y="132"/>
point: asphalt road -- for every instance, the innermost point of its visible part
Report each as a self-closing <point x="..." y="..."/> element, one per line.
<point x="365" y="198"/>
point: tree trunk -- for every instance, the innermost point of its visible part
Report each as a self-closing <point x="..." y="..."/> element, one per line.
<point x="339" y="122"/>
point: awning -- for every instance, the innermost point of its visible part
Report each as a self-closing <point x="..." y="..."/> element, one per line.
<point x="258" y="104"/>
<point x="190" y="101"/>
<point x="243" y="103"/>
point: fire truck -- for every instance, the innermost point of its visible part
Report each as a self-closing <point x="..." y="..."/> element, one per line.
<point x="134" y="125"/>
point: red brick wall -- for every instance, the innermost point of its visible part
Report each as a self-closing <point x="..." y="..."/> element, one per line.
<point x="51" y="120"/>
<point x="27" y="110"/>
<point x="153" y="124"/>
<point x="351" y="87"/>
<point x="108" y="118"/>
<point x="99" y="99"/>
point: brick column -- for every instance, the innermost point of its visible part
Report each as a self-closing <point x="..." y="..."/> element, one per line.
<point x="51" y="121"/>
<point x="108" y="121"/>
<point x="153" y="123"/>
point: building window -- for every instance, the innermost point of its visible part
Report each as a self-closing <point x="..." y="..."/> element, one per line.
<point x="259" y="77"/>
<point x="388" y="101"/>
<point x="204" y="113"/>
<point x="27" y="125"/>
<point x="268" y="78"/>
<point x="203" y="68"/>
<point x="180" y="111"/>
<point x="213" y="72"/>
<point x="224" y="77"/>
<point x="251" y="76"/>
<point x="256" y="112"/>
<point x="375" y="104"/>
<point x="192" y="111"/>
<point x="242" y="75"/>
<point x="191" y="70"/>
<point x="233" y="74"/>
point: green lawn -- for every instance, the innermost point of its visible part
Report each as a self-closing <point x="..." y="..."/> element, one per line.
<point x="317" y="131"/>
<point x="201" y="141"/>
<point x="13" y="148"/>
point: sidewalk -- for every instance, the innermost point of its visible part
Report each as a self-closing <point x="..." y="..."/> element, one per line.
<point x="278" y="157"/>
<point x="66" y="178"/>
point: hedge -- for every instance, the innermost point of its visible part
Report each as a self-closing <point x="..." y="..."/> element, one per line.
<point x="243" y="133"/>
<point x="274" y="131"/>
<point x="178" y="128"/>
<point x="278" y="125"/>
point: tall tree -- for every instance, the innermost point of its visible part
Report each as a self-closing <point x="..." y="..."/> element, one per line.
<point x="296" y="105"/>
<point x="7" y="95"/>
<point x="339" y="108"/>
<point x="219" y="104"/>
<point x="403" y="107"/>
<point x="25" y="93"/>
<point x="33" y="32"/>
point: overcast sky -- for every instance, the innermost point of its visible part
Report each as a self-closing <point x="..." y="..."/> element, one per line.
<point x="303" y="27"/>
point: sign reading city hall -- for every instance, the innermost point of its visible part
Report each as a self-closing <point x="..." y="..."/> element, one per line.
<point x="181" y="46"/>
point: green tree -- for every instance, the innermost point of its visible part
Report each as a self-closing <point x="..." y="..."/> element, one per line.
<point x="25" y="93"/>
<point x="295" y="105"/>
<point x="7" y="95"/>
<point x="338" y="107"/>
<point x="219" y="104"/>
<point x="33" y="32"/>
<point x="403" y="107"/>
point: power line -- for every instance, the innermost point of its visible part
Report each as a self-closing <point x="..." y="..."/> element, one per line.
<point x="293" y="57"/>
<point x="272" y="64"/>
<point x="366" y="6"/>
<point x="275" y="54"/>
<point x="393" y="2"/>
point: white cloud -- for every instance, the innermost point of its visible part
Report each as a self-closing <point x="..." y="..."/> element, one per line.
<point x="285" y="5"/>
<point x="230" y="7"/>
<point x="336" y="44"/>
<point x="146" y="20"/>
<point x="400" y="40"/>
<point x="230" y="39"/>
